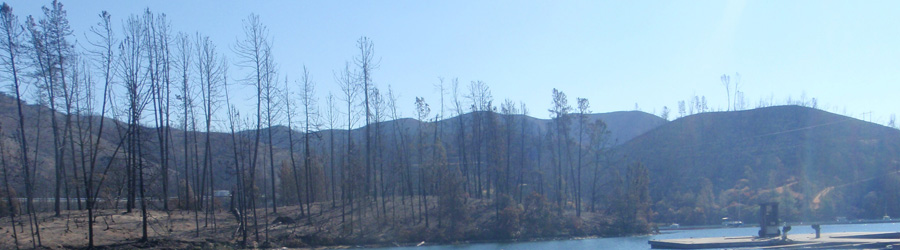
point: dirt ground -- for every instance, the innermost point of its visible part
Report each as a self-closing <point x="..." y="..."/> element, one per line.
<point x="389" y="225"/>
<point x="116" y="229"/>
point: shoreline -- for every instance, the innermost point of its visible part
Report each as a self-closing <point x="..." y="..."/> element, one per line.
<point x="466" y="242"/>
<point x="177" y="229"/>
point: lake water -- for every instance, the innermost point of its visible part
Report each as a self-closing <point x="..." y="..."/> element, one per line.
<point x="640" y="242"/>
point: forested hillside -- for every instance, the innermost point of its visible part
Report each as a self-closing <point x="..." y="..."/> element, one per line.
<point x="818" y="165"/>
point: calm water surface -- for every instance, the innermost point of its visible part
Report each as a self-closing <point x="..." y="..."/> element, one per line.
<point x="640" y="242"/>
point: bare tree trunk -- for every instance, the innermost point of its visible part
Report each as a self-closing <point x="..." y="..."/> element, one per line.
<point x="9" y="195"/>
<point x="241" y="188"/>
<point x="365" y="64"/>
<point x="307" y="98"/>
<point x="251" y="51"/>
<point x="404" y="166"/>
<point x="199" y="187"/>
<point x="422" y="111"/>
<point x="290" y="119"/>
<point x="268" y="88"/>
<point x="560" y="112"/>
<point x="583" y="106"/>
<point x="158" y="57"/>
<point x="10" y="27"/>
<point x="144" y="237"/>
<point x="461" y="135"/>
<point x="211" y="74"/>
<point x="104" y="47"/>
<point x="380" y="173"/>
<point x="332" y="118"/>
<point x="56" y="30"/>
<point x="48" y="75"/>
<point x="184" y="63"/>
<point x="523" y="163"/>
<point x="349" y="88"/>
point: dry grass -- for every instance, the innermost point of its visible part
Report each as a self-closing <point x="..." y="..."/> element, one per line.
<point x="115" y="229"/>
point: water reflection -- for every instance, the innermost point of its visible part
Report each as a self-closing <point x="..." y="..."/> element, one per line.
<point x="640" y="242"/>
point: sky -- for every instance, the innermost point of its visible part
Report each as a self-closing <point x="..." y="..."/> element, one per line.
<point x="618" y="54"/>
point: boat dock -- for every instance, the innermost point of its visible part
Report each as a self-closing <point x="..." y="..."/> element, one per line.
<point x="849" y="240"/>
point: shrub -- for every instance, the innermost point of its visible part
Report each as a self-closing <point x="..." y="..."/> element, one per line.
<point x="508" y="219"/>
<point x="538" y="218"/>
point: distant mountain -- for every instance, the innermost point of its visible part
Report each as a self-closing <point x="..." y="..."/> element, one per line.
<point x="817" y="164"/>
<point x="626" y="125"/>
<point x="622" y="126"/>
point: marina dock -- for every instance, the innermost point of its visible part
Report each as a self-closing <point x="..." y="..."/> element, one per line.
<point x="847" y="240"/>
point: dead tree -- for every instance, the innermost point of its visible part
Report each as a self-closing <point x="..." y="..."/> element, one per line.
<point x="47" y="82"/>
<point x="11" y="43"/>
<point x="103" y="51"/>
<point x="331" y="113"/>
<point x="349" y="88"/>
<point x="402" y="153"/>
<point x="240" y="191"/>
<point x="210" y="69"/>
<point x="270" y="96"/>
<point x="480" y="98"/>
<point x="185" y="96"/>
<point x="158" y="39"/>
<point x="251" y="51"/>
<point x="55" y="31"/>
<point x="310" y="117"/>
<point x="422" y="110"/>
<point x="583" y="111"/>
<point x="461" y="134"/>
<point x="366" y="64"/>
<point x="509" y="110"/>
<point x="559" y="113"/>
<point x="132" y="51"/>
<point x="289" y="115"/>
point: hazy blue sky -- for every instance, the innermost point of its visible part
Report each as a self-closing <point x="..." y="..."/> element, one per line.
<point x="653" y="53"/>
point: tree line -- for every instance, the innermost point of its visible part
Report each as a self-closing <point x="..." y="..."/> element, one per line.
<point x="136" y="114"/>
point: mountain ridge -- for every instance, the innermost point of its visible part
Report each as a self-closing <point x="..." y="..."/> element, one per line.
<point x="731" y="157"/>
